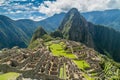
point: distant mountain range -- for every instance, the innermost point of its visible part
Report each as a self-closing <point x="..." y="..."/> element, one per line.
<point x="19" y="33"/>
<point x="52" y="23"/>
<point x="110" y="18"/>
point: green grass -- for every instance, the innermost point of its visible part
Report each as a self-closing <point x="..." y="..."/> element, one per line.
<point x="34" y="44"/>
<point x="63" y="72"/>
<point x="94" y="74"/>
<point x="81" y="64"/>
<point x="9" y="76"/>
<point x="58" y="50"/>
<point x="87" y="77"/>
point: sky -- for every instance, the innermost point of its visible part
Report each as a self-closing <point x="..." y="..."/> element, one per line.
<point x="41" y="9"/>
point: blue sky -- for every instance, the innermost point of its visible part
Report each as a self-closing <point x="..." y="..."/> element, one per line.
<point x="40" y="9"/>
<point x="20" y="9"/>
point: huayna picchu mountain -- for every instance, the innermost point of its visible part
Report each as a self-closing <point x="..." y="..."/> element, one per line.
<point x="75" y="27"/>
<point x="103" y="39"/>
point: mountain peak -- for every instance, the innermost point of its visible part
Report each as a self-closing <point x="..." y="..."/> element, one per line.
<point x="73" y="16"/>
<point x="38" y="33"/>
<point x="5" y="18"/>
<point x="75" y="27"/>
<point x="74" y="10"/>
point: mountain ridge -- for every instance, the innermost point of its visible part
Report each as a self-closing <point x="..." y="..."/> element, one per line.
<point x="99" y="37"/>
<point x="24" y="28"/>
<point x="11" y="32"/>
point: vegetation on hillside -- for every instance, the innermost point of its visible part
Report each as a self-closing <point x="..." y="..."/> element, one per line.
<point x="103" y="39"/>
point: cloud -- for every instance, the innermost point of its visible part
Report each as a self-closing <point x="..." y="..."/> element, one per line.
<point x="40" y="9"/>
<point x="18" y="0"/>
<point x="1" y="2"/>
<point x="36" y="18"/>
<point x="50" y="8"/>
<point x="114" y="4"/>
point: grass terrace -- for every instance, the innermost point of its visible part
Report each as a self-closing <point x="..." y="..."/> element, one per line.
<point x="58" y="50"/>
<point x="63" y="72"/>
<point x="81" y="64"/>
<point x="87" y="77"/>
<point x="9" y="76"/>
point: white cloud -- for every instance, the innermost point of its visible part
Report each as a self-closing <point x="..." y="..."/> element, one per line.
<point x="49" y="8"/>
<point x="36" y="18"/>
<point x="114" y="4"/>
<point x="1" y="2"/>
<point x="18" y="11"/>
<point x="18" y="0"/>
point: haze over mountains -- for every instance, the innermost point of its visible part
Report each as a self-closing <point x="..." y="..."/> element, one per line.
<point x="109" y="18"/>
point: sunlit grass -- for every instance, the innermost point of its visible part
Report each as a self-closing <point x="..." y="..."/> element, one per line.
<point x="57" y="50"/>
<point x="81" y="64"/>
<point x="63" y="72"/>
<point x="87" y="77"/>
<point x="9" y="76"/>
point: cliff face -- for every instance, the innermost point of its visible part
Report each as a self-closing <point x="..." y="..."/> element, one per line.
<point x="75" y="27"/>
<point x="106" y="41"/>
<point x="103" y="39"/>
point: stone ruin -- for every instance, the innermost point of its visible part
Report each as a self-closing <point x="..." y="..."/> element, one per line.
<point x="42" y="65"/>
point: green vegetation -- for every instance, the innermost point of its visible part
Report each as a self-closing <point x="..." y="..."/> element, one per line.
<point x="11" y="34"/>
<point x="38" y="34"/>
<point x="9" y="76"/>
<point x="34" y="44"/>
<point x="81" y="64"/>
<point x="73" y="27"/>
<point x="38" y="41"/>
<point x="58" y="50"/>
<point x="47" y="38"/>
<point x="87" y="77"/>
<point x="108" y="70"/>
<point x="63" y="72"/>
<point x="57" y="34"/>
<point x="111" y="69"/>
